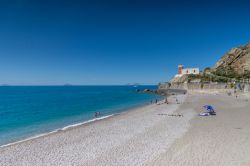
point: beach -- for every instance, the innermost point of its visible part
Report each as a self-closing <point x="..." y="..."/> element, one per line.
<point x="221" y="140"/>
<point x="28" y="111"/>
<point x="149" y="135"/>
<point x="131" y="138"/>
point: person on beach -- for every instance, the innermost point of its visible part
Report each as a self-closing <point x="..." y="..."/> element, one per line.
<point x="177" y="102"/>
<point x="166" y="100"/>
<point x="156" y="101"/>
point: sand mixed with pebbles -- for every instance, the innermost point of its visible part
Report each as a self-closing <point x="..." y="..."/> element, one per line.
<point x="221" y="140"/>
<point x="132" y="138"/>
<point x="149" y="136"/>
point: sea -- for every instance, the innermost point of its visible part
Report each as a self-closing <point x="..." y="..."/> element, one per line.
<point x="31" y="111"/>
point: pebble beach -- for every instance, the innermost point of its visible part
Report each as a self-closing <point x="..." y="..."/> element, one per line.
<point x="165" y="134"/>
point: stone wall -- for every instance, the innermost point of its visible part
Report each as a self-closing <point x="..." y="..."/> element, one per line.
<point x="208" y="86"/>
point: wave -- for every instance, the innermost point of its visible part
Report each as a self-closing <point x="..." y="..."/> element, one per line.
<point x="57" y="130"/>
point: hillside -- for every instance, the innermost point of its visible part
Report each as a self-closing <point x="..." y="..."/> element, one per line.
<point x="234" y="65"/>
<point x="237" y="60"/>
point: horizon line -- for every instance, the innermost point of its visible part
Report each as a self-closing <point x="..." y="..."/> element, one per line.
<point x="79" y="85"/>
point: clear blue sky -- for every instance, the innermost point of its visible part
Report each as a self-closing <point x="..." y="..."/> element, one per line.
<point x="114" y="42"/>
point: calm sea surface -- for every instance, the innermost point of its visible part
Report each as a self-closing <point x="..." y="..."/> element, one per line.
<point x="26" y="111"/>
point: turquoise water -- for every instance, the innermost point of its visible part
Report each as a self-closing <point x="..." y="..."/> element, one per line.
<point x="26" y="111"/>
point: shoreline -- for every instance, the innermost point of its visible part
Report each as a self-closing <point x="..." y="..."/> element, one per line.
<point x="105" y="141"/>
<point x="148" y="136"/>
<point x="68" y="127"/>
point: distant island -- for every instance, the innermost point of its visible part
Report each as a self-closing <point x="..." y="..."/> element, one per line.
<point x="67" y="85"/>
<point x="5" y="85"/>
<point x="132" y="84"/>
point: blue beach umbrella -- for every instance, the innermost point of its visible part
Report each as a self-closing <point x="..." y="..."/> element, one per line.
<point x="209" y="108"/>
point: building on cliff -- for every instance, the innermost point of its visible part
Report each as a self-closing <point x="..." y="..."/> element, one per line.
<point x="186" y="71"/>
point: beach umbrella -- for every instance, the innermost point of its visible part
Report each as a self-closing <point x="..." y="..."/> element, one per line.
<point x="209" y="108"/>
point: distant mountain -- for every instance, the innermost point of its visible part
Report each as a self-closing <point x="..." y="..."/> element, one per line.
<point x="5" y="85"/>
<point x="132" y="84"/>
<point x="237" y="59"/>
<point x="67" y="85"/>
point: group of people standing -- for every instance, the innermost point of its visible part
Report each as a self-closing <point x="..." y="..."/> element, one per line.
<point x="165" y="101"/>
<point x="156" y="101"/>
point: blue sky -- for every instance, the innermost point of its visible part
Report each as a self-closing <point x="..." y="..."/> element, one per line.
<point x="114" y="42"/>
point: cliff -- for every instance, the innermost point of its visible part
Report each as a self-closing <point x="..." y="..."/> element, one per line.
<point x="180" y="79"/>
<point x="235" y="64"/>
<point x="237" y="59"/>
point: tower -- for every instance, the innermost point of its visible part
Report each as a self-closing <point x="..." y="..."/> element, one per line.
<point x="180" y="68"/>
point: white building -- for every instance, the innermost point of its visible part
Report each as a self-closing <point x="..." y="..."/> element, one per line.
<point x="190" y="71"/>
<point x="182" y="71"/>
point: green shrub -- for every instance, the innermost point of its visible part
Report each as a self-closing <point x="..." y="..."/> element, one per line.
<point x="246" y="74"/>
<point x="232" y="85"/>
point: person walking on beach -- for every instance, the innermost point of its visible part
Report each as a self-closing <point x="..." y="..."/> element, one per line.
<point x="156" y="101"/>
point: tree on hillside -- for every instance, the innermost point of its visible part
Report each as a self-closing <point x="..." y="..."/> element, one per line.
<point x="227" y="72"/>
